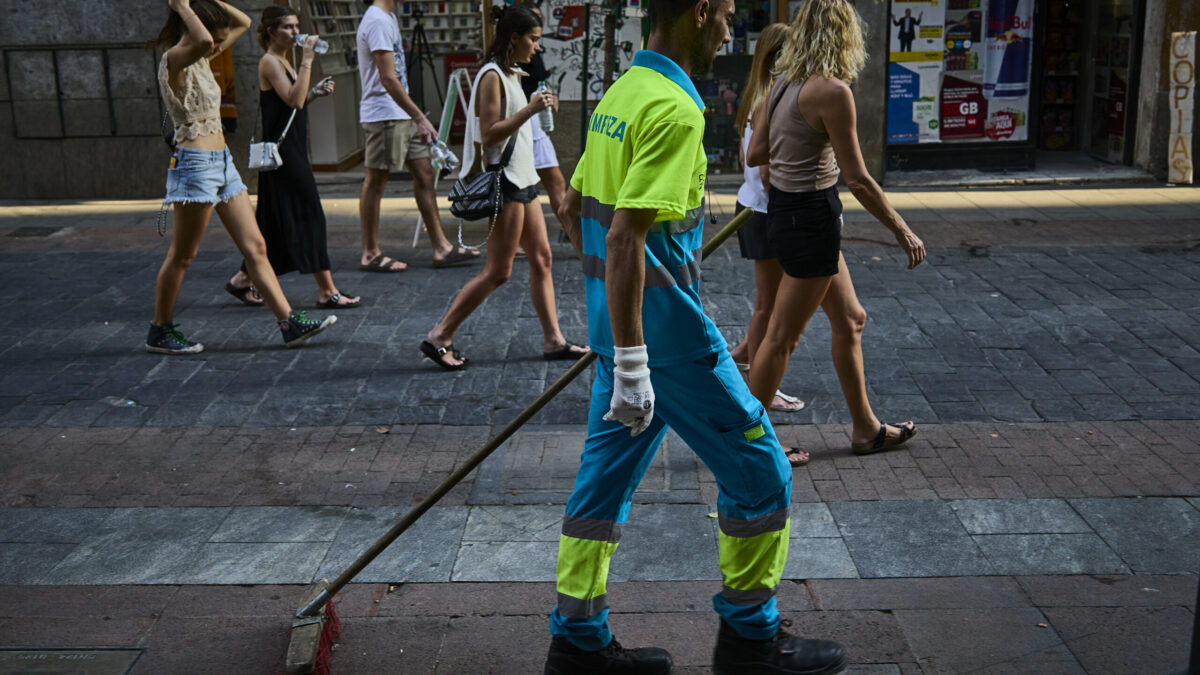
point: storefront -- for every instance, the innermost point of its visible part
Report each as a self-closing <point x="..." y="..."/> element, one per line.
<point x="987" y="84"/>
<point x="983" y="84"/>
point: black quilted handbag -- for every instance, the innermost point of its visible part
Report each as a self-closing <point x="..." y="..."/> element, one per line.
<point x="478" y="195"/>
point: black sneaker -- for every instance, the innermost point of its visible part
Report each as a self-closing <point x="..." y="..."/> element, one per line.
<point x="567" y="659"/>
<point x="166" y="339"/>
<point x="299" y="327"/>
<point x="785" y="653"/>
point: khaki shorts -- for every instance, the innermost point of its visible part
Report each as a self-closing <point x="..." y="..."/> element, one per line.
<point x="391" y="143"/>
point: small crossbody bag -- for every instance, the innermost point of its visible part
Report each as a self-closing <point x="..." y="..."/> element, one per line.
<point x="265" y="156"/>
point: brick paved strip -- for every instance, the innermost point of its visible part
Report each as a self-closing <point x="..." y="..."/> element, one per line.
<point x="359" y="466"/>
<point x="1097" y="625"/>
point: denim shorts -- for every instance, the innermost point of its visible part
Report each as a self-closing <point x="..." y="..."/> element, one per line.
<point x="202" y="176"/>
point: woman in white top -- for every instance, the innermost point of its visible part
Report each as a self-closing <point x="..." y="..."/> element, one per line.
<point x="202" y="177"/>
<point x="496" y="113"/>
<point x="752" y="237"/>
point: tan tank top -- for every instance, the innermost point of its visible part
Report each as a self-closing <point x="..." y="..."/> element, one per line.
<point x="801" y="157"/>
<point x="195" y="107"/>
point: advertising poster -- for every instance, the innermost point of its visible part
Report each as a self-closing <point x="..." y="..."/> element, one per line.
<point x="964" y="109"/>
<point x="915" y="69"/>
<point x="564" y="42"/>
<point x="912" y="102"/>
<point x="916" y="30"/>
<point x="964" y="33"/>
<point x="1008" y="53"/>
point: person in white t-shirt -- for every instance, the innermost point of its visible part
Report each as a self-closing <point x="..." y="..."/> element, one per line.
<point x="397" y="134"/>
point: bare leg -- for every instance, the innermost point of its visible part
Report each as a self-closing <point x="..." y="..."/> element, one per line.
<point x="556" y="188"/>
<point x="846" y="320"/>
<point x="767" y="274"/>
<point x="326" y="289"/>
<point x="541" y="282"/>
<point x="374" y="181"/>
<point x="238" y="218"/>
<point x="502" y="246"/>
<point x="426" y="196"/>
<point x="795" y="305"/>
<point x="187" y="231"/>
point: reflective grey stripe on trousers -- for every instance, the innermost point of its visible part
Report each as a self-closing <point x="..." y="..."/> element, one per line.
<point x="591" y="529"/>
<point x="657" y="276"/>
<point x="744" y="529"/>
<point x="574" y="608"/>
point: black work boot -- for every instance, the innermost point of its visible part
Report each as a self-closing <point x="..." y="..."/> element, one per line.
<point x="567" y="659"/>
<point x="784" y="653"/>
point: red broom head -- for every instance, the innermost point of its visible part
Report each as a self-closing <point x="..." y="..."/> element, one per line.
<point x="331" y="633"/>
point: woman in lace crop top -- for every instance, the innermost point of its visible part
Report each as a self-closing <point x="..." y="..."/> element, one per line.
<point x="201" y="177"/>
<point x="806" y="131"/>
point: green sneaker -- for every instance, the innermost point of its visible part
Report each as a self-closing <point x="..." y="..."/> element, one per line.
<point x="167" y="339"/>
<point x="299" y="327"/>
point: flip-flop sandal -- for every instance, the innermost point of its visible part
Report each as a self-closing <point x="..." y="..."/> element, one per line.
<point x="382" y="264"/>
<point x="332" y="303"/>
<point x="884" y="442"/>
<point x="437" y="354"/>
<point x="566" y="353"/>
<point x="458" y="256"/>
<point x="244" y="294"/>
<point x="796" y="456"/>
<point x="790" y="403"/>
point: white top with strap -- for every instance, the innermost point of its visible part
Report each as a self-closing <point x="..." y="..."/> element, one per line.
<point x="520" y="171"/>
<point x="752" y="195"/>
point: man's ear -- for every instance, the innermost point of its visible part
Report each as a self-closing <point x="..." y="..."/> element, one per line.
<point x="701" y="10"/>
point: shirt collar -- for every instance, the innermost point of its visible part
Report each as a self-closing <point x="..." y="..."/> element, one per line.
<point x="669" y="69"/>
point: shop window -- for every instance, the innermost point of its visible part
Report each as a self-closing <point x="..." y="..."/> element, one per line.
<point x="959" y="71"/>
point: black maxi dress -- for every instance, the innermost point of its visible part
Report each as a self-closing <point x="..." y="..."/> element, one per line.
<point x="289" y="208"/>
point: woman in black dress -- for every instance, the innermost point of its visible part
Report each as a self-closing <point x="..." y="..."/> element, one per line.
<point x="289" y="209"/>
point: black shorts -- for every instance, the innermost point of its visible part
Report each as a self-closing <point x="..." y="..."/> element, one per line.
<point x="512" y="193"/>
<point x="752" y="237"/>
<point x="805" y="231"/>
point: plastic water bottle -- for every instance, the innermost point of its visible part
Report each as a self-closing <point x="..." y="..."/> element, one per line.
<point x="321" y="47"/>
<point x="545" y="117"/>
<point x="443" y="157"/>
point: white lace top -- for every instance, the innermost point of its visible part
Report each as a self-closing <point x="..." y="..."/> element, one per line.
<point x="195" y="108"/>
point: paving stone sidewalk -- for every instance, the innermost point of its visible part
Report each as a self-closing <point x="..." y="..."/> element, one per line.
<point x="1020" y="320"/>
<point x="161" y="515"/>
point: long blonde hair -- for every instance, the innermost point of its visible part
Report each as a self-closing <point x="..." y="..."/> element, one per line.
<point x="826" y="38"/>
<point x="770" y="41"/>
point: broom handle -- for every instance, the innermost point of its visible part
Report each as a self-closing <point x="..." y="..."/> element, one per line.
<point x="326" y="594"/>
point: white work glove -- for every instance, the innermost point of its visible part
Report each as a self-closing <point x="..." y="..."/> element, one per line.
<point x="633" y="397"/>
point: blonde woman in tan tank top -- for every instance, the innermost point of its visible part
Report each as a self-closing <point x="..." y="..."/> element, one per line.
<point x="202" y="177"/>
<point x="807" y="135"/>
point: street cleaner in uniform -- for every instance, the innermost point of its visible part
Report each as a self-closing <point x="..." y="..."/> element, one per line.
<point x="635" y="215"/>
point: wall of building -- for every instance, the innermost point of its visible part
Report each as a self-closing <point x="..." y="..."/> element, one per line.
<point x="83" y="136"/>
<point x="870" y="92"/>
<point x="1163" y="17"/>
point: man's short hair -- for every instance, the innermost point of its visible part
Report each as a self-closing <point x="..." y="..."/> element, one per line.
<point x="665" y="12"/>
